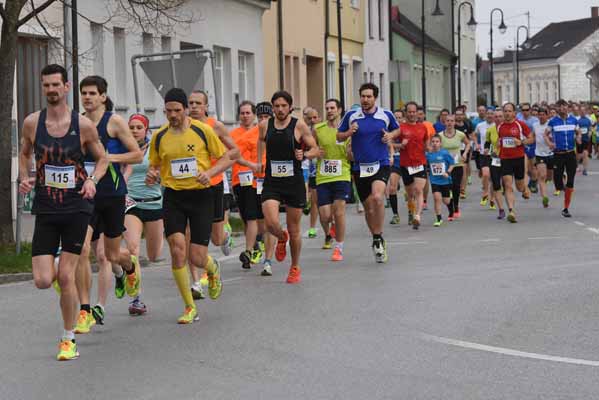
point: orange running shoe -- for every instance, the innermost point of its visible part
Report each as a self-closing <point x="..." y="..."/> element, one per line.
<point x="295" y="275"/>
<point x="337" y="255"/>
<point x="281" y="250"/>
<point x="332" y="231"/>
<point x="457" y="214"/>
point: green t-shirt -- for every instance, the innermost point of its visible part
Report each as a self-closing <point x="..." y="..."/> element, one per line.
<point x="334" y="166"/>
<point x="454" y="145"/>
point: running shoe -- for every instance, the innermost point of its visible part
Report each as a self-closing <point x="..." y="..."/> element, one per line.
<point x="267" y="270"/>
<point x="545" y="201"/>
<point x="56" y="286"/>
<point x="557" y="192"/>
<point x="457" y="214"/>
<point x="469" y="180"/>
<point x="416" y="222"/>
<point x="328" y="243"/>
<point x="483" y="201"/>
<point x="312" y="233"/>
<point x="395" y="220"/>
<point x="281" y="249"/>
<point x="227" y="246"/>
<point x="85" y="321"/>
<point x="133" y="281"/>
<point x="295" y="275"/>
<point x="360" y="207"/>
<point x="566" y="213"/>
<point x="332" y="231"/>
<point x="410" y="218"/>
<point x="337" y="254"/>
<point x="67" y="350"/>
<point x="492" y="205"/>
<point x="98" y="314"/>
<point x="204" y="279"/>
<point x="501" y="214"/>
<point x="534" y="188"/>
<point x="261" y="246"/>
<point x="137" y="307"/>
<point x="512" y="217"/>
<point x="424" y="206"/>
<point x="215" y="284"/>
<point x="189" y="316"/>
<point x="246" y="259"/>
<point x="462" y="194"/>
<point x="119" y="286"/>
<point x="379" y="248"/>
<point x="438" y="223"/>
<point x="584" y="172"/>
<point x="197" y="292"/>
<point x="257" y="256"/>
<point x="450" y="218"/>
<point x="526" y="194"/>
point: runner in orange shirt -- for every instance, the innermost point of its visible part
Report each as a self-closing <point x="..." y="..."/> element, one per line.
<point x="430" y="130"/>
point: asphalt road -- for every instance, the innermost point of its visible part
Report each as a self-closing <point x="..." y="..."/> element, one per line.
<point x="476" y="309"/>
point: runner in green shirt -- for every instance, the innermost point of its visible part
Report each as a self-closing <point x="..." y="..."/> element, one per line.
<point x="456" y="143"/>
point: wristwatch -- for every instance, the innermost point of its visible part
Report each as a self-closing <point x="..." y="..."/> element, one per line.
<point x="93" y="179"/>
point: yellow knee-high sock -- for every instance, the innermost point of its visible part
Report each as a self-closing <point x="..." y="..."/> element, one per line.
<point x="181" y="276"/>
<point x="210" y="266"/>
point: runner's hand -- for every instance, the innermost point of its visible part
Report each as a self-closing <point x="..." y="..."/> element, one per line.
<point x="445" y="175"/>
<point x="354" y="128"/>
<point x="518" y="142"/>
<point x="26" y="185"/>
<point x="203" y="178"/>
<point x="321" y="153"/>
<point x="299" y="154"/>
<point x="88" y="190"/>
<point x="152" y="176"/>
<point x="259" y="168"/>
<point x="386" y="136"/>
<point x="255" y="167"/>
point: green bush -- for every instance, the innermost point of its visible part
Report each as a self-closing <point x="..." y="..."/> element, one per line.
<point x="11" y="263"/>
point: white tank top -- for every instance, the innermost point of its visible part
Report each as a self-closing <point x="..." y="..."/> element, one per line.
<point x="542" y="149"/>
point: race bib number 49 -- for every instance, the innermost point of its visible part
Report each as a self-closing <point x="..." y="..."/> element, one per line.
<point x="369" y="169"/>
<point x="281" y="169"/>
<point x="60" y="177"/>
<point x="183" y="168"/>
<point x="330" y="168"/>
<point x="438" y="169"/>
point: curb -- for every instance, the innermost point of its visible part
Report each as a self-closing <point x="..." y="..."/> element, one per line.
<point x="19" y="277"/>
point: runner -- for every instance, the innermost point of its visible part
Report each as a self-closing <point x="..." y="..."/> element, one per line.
<point x="311" y="118"/>
<point x="561" y="135"/>
<point x="283" y="138"/>
<point x="145" y="215"/>
<point x="332" y="178"/>
<point x="483" y="161"/>
<point x="584" y="147"/>
<point x="513" y="136"/>
<point x="108" y="218"/>
<point x="394" y="177"/>
<point x="440" y="124"/>
<point x="457" y="144"/>
<point x="440" y="164"/>
<point x="463" y="124"/>
<point x="492" y="151"/>
<point x="481" y="117"/>
<point x="531" y="170"/>
<point x="430" y="130"/>
<point x="371" y="129"/>
<point x="60" y="140"/>
<point x="543" y="155"/>
<point x="414" y="143"/>
<point x="181" y="155"/>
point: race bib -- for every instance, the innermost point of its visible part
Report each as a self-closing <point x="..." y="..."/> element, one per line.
<point x="281" y="169"/>
<point x="462" y="146"/>
<point x="306" y="164"/>
<point x="246" y="178"/>
<point x="259" y="185"/>
<point x="496" y="162"/>
<point x="89" y="167"/>
<point x="457" y="158"/>
<point x="438" y="169"/>
<point x="508" y="142"/>
<point x="330" y="168"/>
<point x="415" y="170"/>
<point x="60" y="177"/>
<point x="584" y="131"/>
<point x="129" y="203"/>
<point x="369" y="169"/>
<point x="183" y="168"/>
<point x="226" y="187"/>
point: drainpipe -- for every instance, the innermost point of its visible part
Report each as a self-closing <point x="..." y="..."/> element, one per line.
<point x="559" y="82"/>
<point x="280" y="44"/>
<point x="327" y="33"/>
<point x="340" y="44"/>
<point x="390" y="36"/>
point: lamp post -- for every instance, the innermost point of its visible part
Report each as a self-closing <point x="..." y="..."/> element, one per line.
<point x="472" y="25"/>
<point x="502" y="28"/>
<point x="518" y="59"/>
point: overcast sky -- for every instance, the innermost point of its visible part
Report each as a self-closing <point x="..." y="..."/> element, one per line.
<point x="542" y="13"/>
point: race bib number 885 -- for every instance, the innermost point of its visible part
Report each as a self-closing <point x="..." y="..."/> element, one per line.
<point x="330" y="168"/>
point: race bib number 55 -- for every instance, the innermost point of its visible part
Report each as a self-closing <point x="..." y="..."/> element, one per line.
<point x="281" y="169"/>
<point x="182" y="168"/>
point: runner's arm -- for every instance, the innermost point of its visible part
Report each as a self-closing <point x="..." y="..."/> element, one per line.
<point x="119" y="127"/>
<point x="307" y="138"/>
<point x="548" y="138"/>
<point x="223" y="135"/>
<point x="26" y="183"/>
<point x="261" y="143"/>
<point x="91" y="141"/>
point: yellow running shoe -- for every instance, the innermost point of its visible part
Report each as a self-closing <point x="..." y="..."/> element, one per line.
<point x="133" y="281"/>
<point x="85" y="321"/>
<point x="483" y="201"/>
<point x="204" y="279"/>
<point x="189" y="316"/>
<point x="215" y="284"/>
<point x="67" y="350"/>
<point x="56" y="286"/>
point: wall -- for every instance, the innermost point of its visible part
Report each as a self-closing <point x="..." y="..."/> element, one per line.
<point x="574" y="65"/>
<point x="376" y="47"/>
<point x="538" y="81"/>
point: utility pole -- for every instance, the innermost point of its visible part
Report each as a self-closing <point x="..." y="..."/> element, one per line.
<point x="340" y="43"/>
<point x="280" y="44"/>
<point x="75" y="54"/>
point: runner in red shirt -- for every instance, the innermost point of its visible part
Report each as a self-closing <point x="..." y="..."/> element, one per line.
<point x="513" y="135"/>
<point x="414" y="143"/>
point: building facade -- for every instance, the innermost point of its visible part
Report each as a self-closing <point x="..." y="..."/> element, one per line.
<point x="376" y="49"/>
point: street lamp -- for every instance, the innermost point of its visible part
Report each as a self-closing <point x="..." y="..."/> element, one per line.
<point x="436" y="12"/>
<point x="525" y="45"/>
<point x="472" y="26"/>
<point x="502" y="28"/>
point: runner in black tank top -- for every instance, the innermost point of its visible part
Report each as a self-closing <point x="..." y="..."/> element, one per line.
<point x="284" y="181"/>
<point x="59" y="139"/>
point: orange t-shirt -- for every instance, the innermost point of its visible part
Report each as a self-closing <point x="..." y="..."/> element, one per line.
<point x="430" y="129"/>
<point x="217" y="178"/>
<point x="247" y="142"/>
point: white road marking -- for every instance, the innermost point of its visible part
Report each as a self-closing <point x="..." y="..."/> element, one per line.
<point x="508" y="352"/>
<point x="594" y="230"/>
<point x="491" y="240"/>
<point x="545" y="237"/>
<point x="233" y="279"/>
<point x="579" y="223"/>
<point x="404" y="243"/>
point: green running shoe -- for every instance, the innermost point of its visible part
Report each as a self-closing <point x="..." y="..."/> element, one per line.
<point x="119" y="286"/>
<point x="98" y="314"/>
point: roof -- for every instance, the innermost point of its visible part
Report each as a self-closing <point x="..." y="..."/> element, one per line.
<point x="413" y="34"/>
<point x="555" y="40"/>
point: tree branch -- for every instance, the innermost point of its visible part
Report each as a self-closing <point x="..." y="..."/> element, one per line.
<point x="35" y="11"/>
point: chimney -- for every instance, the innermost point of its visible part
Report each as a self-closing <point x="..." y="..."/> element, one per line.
<point x="594" y="12"/>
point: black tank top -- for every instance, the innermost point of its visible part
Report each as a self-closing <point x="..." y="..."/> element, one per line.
<point x="280" y="147"/>
<point x="60" y="170"/>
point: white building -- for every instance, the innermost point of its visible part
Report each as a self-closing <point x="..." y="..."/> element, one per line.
<point x="376" y="49"/>
<point x="553" y="65"/>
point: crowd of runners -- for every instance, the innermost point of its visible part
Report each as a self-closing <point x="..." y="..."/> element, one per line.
<point x="102" y="182"/>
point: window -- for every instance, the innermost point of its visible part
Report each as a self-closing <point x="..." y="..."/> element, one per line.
<point x="97" y="31"/>
<point x="365" y="77"/>
<point x="381" y="20"/>
<point x="546" y="97"/>
<point x="381" y="90"/>
<point x="165" y="44"/>
<point x="538" y="92"/>
<point x="529" y="87"/>
<point x="555" y="91"/>
<point x="331" y="83"/>
<point x="296" y="80"/>
<point x="354" y="3"/>
<point x="147" y="48"/>
<point x="223" y="78"/>
<point x="292" y="73"/>
<point x="371" y="77"/>
<point x="120" y="67"/>
<point x="345" y="85"/>
<point x="357" y="80"/>
<point x="32" y="55"/>
<point x="242" y="76"/>
<point x="370" y="33"/>
<point x="508" y="93"/>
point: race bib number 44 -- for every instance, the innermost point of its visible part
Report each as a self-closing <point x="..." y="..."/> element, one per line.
<point x="369" y="169"/>
<point x="281" y="169"/>
<point x="183" y="168"/>
<point x="60" y="177"/>
<point x="246" y="178"/>
<point x="438" y="169"/>
<point x="330" y="168"/>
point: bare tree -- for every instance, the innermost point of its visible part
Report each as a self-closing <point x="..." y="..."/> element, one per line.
<point x="152" y="16"/>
